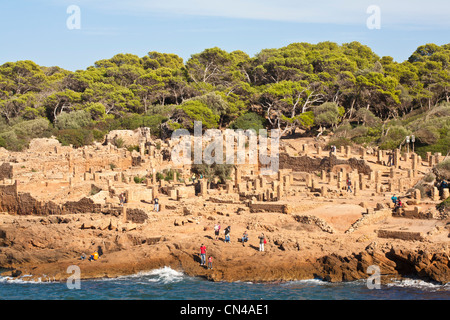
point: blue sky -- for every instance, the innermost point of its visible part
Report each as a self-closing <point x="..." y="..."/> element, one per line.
<point x="36" y="29"/>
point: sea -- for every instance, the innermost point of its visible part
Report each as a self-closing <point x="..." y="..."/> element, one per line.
<point x="166" y="284"/>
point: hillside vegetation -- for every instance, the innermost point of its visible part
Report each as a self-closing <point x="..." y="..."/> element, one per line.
<point x="321" y="88"/>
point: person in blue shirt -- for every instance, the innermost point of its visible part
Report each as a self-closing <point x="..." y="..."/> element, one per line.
<point x="394" y="199"/>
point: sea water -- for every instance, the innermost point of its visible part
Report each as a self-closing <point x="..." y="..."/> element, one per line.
<point x="169" y="284"/>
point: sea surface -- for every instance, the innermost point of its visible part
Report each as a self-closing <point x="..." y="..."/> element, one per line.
<point x="169" y="284"/>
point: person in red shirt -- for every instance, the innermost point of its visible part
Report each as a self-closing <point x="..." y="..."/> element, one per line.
<point x="210" y="262"/>
<point x="203" y="254"/>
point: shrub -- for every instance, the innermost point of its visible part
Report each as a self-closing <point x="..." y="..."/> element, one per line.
<point x="73" y="120"/>
<point x="138" y="179"/>
<point x="327" y="114"/>
<point x="198" y="111"/>
<point x="340" y="142"/>
<point x="249" y="120"/>
<point x="75" y="137"/>
<point x="394" y="137"/>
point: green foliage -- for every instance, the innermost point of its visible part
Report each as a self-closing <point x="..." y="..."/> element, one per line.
<point x="327" y="114"/>
<point x="196" y="110"/>
<point x="139" y="180"/>
<point x="75" y="137"/>
<point x="394" y="137"/>
<point x="250" y="120"/>
<point x="73" y="120"/>
<point x="300" y="85"/>
<point x="340" y="142"/>
<point x="444" y="205"/>
<point x="212" y="171"/>
<point x="17" y="136"/>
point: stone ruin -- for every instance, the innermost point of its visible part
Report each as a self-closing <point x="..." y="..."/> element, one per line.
<point x="51" y="179"/>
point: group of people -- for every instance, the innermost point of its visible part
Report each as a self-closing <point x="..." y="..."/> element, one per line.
<point x="93" y="257"/>
<point x="123" y="199"/>
<point x="397" y="202"/>
<point x="244" y="239"/>
<point x="203" y="257"/>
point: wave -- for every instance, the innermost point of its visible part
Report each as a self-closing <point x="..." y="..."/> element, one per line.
<point x="23" y="280"/>
<point x="419" y="284"/>
<point x="163" y="275"/>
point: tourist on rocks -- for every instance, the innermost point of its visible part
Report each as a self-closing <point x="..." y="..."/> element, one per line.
<point x="216" y="230"/>
<point x="394" y="199"/>
<point x="332" y="150"/>
<point x="262" y="242"/>
<point x="349" y="185"/>
<point x="390" y="159"/>
<point x="210" y="262"/>
<point x="94" y="256"/>
<point x="203" y="254"/>
<point x="156" y="204"/>
<point x="121" y="199"/>
<point x="398" y="205"/>
<point x="244" y="238"/>
<point x="227" y="233"/>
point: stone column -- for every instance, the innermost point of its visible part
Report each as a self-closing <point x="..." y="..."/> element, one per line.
<point x="431" y="161"/>
<point x="380" y="156"/>
<point x="279" y="191"/>
<point x="124" y="213"/>
<point x="396" y="158"/>
<point x="445" y="193"/>
<point x="237" y="176"/>
<point x="435" y="194"/>
<point x="414" y="161"/>
<point x="417" y="195"/>
<point x="378" y="188"/>
<point x="348" y="151"/>
<point x="203" y="188"/>
<point x="229" y="187"/>
<point x="324" y="191"/>
<point x="361" y="181"/>
<point x="324" y="175"/>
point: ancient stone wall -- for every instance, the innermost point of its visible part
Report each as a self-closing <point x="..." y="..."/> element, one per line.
<point x="308" y="164"/>
<point x="6" y="171"/>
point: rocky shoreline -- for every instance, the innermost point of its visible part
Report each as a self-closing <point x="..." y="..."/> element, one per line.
<point x="43" y="251"/>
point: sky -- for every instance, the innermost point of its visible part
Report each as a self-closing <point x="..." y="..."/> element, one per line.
<point x="53" y="33"/>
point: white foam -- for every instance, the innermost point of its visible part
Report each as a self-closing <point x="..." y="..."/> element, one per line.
<point x="166" y="275"/>
<point x="419" y="284"/>
<point x="19" y="280"/>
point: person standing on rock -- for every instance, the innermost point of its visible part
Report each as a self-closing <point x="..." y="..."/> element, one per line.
<point x="203" y="254"/>
<point x="244" y="238"/>
<point x="217" y="230"/>
<point x="210" y="262"/>
<point x="349" y="185"/>
<point x="227" y="234"/>
<point x="262" y="242"/>
<point x="156" y="204"/>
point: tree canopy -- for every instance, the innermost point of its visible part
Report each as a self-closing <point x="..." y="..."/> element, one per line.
<point x="301" y="85"/>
